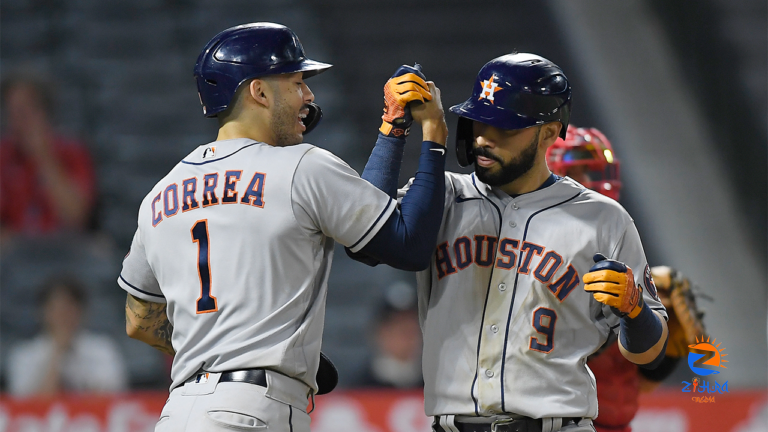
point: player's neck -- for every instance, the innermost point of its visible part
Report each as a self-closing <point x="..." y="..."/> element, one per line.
<point x="528" y="182"/>
<point x="239" y="129"/>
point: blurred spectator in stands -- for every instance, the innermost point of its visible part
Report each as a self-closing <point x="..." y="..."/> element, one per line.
<point x="47" y="181"/>
<point x="396" y="360"/>
<point x="64" y="357"/>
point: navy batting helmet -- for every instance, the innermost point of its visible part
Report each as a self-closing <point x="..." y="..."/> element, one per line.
<point x="514" y="91"/>
<point x="245" y="52"/>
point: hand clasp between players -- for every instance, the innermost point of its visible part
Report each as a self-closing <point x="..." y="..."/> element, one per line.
<point x="612" y="283"/>
<point x="408" y="97"/>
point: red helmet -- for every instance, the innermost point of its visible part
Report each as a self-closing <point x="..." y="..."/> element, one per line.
<point x="586" y="156"/>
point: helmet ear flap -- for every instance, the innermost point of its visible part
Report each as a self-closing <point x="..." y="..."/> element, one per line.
<point x="464" y="140"/>
<point x="313" y="117"/>
<point x="565" y="119"/>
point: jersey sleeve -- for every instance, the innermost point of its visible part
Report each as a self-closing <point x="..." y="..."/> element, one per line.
<point x="329" y="196"/>
<point x="137" y="277"/>
<point x="629" y="250"/>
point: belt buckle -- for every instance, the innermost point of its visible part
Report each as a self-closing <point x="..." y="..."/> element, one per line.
<point x="502" y="422"/>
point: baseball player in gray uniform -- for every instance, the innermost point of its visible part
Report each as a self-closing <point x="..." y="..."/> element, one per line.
<point x="230" y="260"/>
<point x="530" y="272"/>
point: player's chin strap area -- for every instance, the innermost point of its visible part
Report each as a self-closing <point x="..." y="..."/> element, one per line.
<point x="450" y="423"/>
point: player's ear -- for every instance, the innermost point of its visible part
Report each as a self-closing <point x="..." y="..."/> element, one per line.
<point x="260" y="92"/>
<point x="549" y="133"/>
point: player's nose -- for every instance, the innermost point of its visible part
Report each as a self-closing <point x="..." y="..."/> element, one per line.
<point x="483" y="141"/>
<point x="481" y="136"/>
<point x="309" y="97"/>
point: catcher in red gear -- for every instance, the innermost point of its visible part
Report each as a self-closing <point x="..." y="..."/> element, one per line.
<point x="587" y="156"/>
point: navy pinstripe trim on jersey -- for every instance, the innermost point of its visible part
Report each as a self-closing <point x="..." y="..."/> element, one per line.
<point x="485" y="305"/>
<point x="659" y="309"/>
<point x="290" y="417"/>
<point x="221" y="158"/>
<point x="613" y="327"/>
<point x="514" y="291"/>
<point x="139" y="290"/>
<point x="460" y="199"/>
<point x="373" y="224"/>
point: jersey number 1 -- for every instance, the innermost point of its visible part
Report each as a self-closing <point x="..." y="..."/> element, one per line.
<point x="206" y="303"/>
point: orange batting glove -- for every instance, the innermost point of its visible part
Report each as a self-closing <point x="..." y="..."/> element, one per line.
<point x="407" y="85"/>
<point x="613" y="284"/>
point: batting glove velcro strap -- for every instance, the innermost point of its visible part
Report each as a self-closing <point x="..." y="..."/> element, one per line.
<point x="612" y="283"/>
<point x="407" y="85"/>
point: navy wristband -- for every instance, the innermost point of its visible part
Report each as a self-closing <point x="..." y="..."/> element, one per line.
<point x="641" y="333"/>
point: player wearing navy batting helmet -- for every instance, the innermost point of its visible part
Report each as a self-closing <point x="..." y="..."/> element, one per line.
<point x="229" y="265"/>
<point x="531" y="271"/>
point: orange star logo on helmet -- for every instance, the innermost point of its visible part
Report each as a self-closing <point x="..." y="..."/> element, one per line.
<point x="489" y="88"/>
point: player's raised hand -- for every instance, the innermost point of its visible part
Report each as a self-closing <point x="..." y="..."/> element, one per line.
<point x="407" y="87"/>
<point x="612" y="283"/>
<point x="431" y="117"/>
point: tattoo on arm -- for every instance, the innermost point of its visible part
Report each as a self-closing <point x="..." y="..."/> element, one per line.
<point x="148" y="322"/>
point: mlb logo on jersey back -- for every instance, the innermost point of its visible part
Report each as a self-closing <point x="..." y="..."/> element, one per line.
<point x="209" y="152"/>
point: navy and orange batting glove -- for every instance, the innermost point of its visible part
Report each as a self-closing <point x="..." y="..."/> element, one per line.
<point x="612" y="283"/>
<point x="407" y="85"/>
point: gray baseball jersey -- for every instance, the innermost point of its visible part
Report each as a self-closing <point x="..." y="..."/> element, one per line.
<point x="507" y="324"/>
<point x="238" y="240"/>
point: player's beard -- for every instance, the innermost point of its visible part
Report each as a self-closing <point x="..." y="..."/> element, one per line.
<point x="511" y="170"/>
<point x="283" y="124"/>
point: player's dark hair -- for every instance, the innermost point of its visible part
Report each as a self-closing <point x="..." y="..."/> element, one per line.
<point x="237" y="100"/>
<point x="234" y="106"/>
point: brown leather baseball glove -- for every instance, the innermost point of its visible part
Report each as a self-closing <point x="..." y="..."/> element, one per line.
<point x="685" y="318"/>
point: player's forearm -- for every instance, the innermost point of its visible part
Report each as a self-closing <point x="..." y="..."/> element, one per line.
<point x="407" y="239"/>
<point x="147" y="322"/>
<point x="643" y="339"/>
<point x="383" y="167"/>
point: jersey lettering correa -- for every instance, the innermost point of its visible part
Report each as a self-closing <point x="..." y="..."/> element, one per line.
<point x="253" y="194"/>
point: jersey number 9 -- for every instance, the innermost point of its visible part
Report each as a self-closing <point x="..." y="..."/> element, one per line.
<point x="544" y="323"/>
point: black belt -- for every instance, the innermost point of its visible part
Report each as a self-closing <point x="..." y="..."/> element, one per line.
<point x="523" y="424"/>
<point x="250" y="376"/>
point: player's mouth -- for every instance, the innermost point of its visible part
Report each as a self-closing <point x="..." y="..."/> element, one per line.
<point x="302" y="116"/>
<point x="484" y="161"/>
<point x="484" y="157"/>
